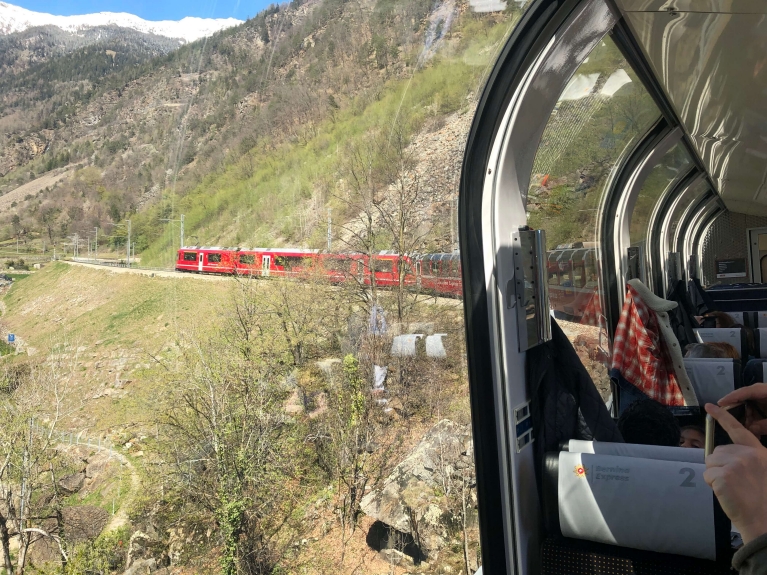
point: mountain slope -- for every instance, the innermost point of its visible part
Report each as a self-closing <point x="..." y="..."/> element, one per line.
<point x="17" y="19"/>
<point x="247" y="131"/>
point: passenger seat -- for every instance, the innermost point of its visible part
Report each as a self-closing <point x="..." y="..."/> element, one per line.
<point x="712" y="379"/>
<point x="755" y="372"/>
<point x="635" y="503"/>
<point x="735" y="336"/>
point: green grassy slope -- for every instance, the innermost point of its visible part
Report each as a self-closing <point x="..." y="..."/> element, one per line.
<point x="234" y="207"/>
<point x="118" y="331"/>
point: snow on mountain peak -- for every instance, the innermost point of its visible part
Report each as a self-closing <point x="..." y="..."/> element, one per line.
<point x="17" y="19"/>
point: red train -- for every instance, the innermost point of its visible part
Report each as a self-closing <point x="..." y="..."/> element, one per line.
<point x="436" y="273"/>
<point x="572" y="269"/>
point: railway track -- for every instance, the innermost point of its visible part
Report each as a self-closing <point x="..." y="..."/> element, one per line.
<point x="160" y="272"/>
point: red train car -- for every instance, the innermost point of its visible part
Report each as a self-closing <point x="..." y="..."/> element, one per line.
<point x="206" y="260"/>
<point x="436" y="273"/>
<point x="573" y="277"/>
<point x="439" y="273"/>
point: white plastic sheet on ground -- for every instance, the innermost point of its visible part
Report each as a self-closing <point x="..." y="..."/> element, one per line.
<point x="404" y="345"/>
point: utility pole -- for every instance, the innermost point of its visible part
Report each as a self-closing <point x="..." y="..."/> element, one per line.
<point x="127" y="245"/>
<point x="181" y="222"/>
<point x="96" y="247"/>
<point x="330" y="230"/>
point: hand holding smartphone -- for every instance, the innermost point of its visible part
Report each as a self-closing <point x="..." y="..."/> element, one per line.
<point x="737" y="410"/>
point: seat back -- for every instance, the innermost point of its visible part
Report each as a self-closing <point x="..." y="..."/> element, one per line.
<point x="735" y="336"/>
<point x="760" y="341"/>
<point x="660" y="452"/>
<point x="712" y="379"/>
<point x="755" y="372"/>
<point x="647" y="504"/>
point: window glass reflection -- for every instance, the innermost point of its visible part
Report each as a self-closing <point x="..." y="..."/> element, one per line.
<point x="673" y="163"/>
<point x="601" y="111"/>
<point x="691" y="194"/>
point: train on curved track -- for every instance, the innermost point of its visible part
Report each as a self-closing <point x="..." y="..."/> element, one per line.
<point x="572" y="269"/>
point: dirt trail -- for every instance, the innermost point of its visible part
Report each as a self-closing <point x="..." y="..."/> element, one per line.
<point x="121" y="517"/>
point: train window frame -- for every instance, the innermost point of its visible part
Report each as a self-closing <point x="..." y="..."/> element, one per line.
<point x="186" y="257"/>
<point x="497" y="167"/>
<point x="338" y="264"/>
<point x="383" y="266"/>
<point x="626" y="189"/>
<point x="247" y="259"/>
<point x="660" y="221"/>
<point x="214" y="258"/>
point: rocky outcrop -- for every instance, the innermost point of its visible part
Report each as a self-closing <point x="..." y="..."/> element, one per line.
<point x="142" y="566"/>
<point x="72" y="483"/>
<point x="142" y="548"/>
<point x="84" y="522"/>
<point x="419" y="497"/>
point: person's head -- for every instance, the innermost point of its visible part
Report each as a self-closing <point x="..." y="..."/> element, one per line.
<point x="722" y="319"/>
<point x="712" y="349"/>
<point x="692" y="436"/>
<point x="647" y="422"/>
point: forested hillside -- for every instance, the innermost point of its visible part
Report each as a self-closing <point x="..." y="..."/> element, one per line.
<point x="250" y="133"/>
<point x="238" y="425"/>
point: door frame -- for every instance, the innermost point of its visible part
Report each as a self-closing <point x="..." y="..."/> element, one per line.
<point x="266" y="264"/>
<point x="752" y="240"/>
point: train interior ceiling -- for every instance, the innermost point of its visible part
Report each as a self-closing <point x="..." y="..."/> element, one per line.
<point x="651" y="167"/>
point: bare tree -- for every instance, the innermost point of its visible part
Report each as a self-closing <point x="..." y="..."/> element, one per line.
<point x="402" y="212"/>
<point x="31" y="413"/>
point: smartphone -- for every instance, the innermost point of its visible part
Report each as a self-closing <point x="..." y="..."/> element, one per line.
<point x="715" y="435"/>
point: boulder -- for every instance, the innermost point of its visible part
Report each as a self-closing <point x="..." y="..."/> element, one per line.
<point x="84" y="522"/>
<point x="96" y="464"/>
<point x="143" y="547"/>
<point x="72" y="483"/>
<point x="412" y="499"/>
<point x="395" y="557"/>
<point x="142" y="566"/>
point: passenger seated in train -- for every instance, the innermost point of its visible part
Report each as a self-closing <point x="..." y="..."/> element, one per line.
<point x="647" y="422"/>
<point x="718" y="319"/>
<point x="711" y="350"/>
<point x="693" y="436"/>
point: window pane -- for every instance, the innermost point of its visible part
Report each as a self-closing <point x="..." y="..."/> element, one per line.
<point x="688" y="197"/>
<point x="214" y="258"/>
<point x="601" y="112"/>
<point x="673" y="163"/>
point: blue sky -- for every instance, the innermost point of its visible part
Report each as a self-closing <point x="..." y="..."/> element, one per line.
<point x="151" y="9"/>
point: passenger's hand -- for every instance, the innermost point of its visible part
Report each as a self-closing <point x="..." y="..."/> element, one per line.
<point x="738" y="475"/>
<point x="756" y="398"/>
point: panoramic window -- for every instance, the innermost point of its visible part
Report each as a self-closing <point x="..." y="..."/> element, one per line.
<point x="690" y="195"/>
<point x="601" y="112"/>
<point x="285" y="432"/>
<point x="673" y="163"/>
